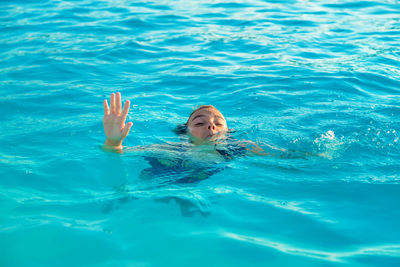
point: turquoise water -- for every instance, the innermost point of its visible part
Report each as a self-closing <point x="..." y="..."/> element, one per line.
<point x="314" y="76"/>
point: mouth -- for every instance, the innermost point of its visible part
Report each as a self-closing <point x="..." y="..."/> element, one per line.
<point x="214" y="137"/>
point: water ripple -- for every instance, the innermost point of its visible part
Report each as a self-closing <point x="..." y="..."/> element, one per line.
<point x="392" y="250"/>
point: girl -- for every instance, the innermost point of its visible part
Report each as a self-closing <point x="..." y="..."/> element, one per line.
<point x="205" y="125"/>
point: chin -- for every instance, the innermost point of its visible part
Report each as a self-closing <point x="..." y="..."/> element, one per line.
<point x="216" y="138"/>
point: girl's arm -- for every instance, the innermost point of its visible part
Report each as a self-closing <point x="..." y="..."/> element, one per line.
<point x="255" y="149"/>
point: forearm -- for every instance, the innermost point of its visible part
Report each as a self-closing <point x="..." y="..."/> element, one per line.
<point x="113" y="144"/>
<point x="263" y="149"/>
<point x="256" y="149"/>
<point x="252" y="148"/>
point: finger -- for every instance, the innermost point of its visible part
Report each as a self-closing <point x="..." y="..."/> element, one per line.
<point x="112" y="103"/>
<point x="106" y="109"/>
<point x="118" y="104"/>
<point x="125" y="110"/>
<point x="125" y="130"/>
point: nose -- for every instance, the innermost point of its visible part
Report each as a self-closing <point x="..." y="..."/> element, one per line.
<point x="211" y="126"/>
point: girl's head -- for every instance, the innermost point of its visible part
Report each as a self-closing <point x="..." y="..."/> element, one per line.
<point x="206" y="123"/>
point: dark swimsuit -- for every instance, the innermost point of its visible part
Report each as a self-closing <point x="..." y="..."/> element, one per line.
<point x="231" y="150"/>
<point x="180" y="172"/>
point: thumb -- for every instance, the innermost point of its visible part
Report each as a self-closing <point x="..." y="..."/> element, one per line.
<point x="125" y="130"/>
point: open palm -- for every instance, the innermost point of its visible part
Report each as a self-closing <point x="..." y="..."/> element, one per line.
<point x="114" y="120"/>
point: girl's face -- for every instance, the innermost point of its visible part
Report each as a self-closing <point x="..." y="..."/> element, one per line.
<point x="207" y="124"/>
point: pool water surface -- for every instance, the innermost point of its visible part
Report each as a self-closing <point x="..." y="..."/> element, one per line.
<point x="318" y="78"/>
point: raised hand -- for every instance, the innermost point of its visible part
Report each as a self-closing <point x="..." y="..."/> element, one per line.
<point x="114" y="121"/>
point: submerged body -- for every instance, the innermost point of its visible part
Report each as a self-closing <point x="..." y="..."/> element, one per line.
<point x="187" y="162"/>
